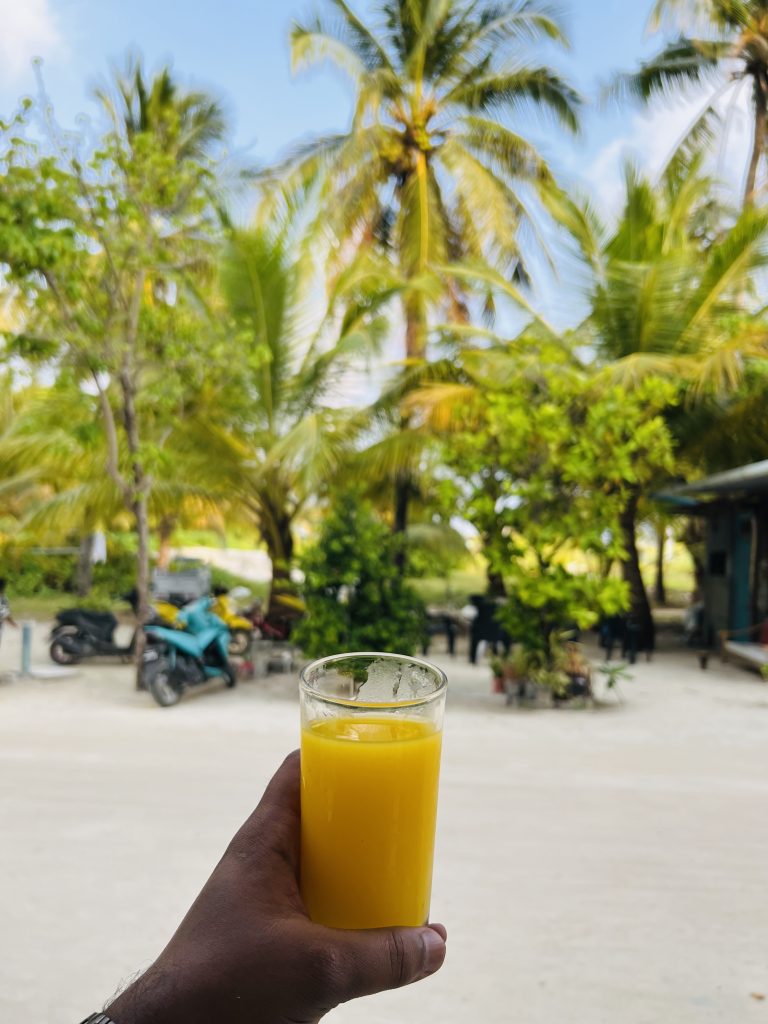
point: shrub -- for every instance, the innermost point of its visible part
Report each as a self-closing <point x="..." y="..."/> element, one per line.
<point x="355" y="598"/>
<point x="34" y="573"/>
<point x="30" y="573"/>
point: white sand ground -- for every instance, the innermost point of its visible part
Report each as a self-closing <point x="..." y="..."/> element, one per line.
<point x="605" y="867"/>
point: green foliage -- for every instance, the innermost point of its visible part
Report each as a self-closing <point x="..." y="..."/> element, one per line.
<point x="222" y="578"/>
<point x="37" y="574"/>
<point x="730" y="47"/>
<point x="271" y="436"/>
<point x="434" y="549"/>
<point x="615" y="674"/>
<point x="670" y="283"/>
<point x="30" y="574"/>
<point x="109" y="242"/>
<point x="356" y="600"/>
<point x="427" y="174"/>
<point x="548" y="469"/>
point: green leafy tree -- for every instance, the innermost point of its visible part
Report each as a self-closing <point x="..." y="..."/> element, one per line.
<point x="672" y="285"/>
<point x="111" y="251"/>
<point x="17" y="488"/>
<point x="355" y="597"/>
<point x="548" y="469"/>
<point x="54" y="450"/>
<point x="728" y="49"/>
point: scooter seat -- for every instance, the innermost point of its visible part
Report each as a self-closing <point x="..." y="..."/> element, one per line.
<point x="103" y="623"/>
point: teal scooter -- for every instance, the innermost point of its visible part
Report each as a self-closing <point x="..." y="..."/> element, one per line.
<point x="176" y="659"/>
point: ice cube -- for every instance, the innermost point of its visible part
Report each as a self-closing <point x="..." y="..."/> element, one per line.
<point x="383" y="681"/>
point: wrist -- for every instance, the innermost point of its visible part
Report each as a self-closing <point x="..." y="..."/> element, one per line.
<point x="152" y="999"/>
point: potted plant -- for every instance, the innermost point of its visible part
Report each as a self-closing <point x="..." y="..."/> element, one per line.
<point x="613" y="675"/>
<point x="577" y="670"/>
<point x="497" y="673"/>
<point x="562" y="670"/>
<point x="517" y="673"/>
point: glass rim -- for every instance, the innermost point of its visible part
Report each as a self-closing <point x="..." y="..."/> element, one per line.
<point x="308" y="688"/>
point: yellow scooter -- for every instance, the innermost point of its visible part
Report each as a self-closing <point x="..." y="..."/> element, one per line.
<point x="240" y="629"/>
<point x="167" y="614"/>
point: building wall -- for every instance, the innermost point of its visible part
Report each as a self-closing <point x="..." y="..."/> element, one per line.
<point x="736" y="587"/>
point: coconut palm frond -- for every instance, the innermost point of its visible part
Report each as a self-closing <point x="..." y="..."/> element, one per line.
<point x="397" y="455"/>
<point x="317" y="42"/>
<point x="516" y="89"/>
<point x="442" y="406"/>
<point x="682" y="64"/>
<point x="436" y="538"/>
<point x="631" y="371"/>
<point x="487" y="277"/>
<point x="521" y="22"/>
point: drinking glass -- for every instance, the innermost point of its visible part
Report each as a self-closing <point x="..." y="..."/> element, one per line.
<point x="371" y="738"/>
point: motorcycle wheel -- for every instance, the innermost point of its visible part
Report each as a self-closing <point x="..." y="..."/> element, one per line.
<point x="239" y="642"/>
<point x="159" y="681"/>
<point x="62" y="653"/>
<point x="230" y="675"/>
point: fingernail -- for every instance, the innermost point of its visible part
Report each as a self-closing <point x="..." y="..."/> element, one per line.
<point x="434" y="951"/>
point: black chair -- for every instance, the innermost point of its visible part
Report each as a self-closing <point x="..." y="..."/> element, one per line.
<point x="486" y="627"/>
<point x="630" y="634"/>
<point x="440" y="623"/>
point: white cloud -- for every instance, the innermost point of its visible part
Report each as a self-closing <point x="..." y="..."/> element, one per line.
<point x="653" y="135"/>
<point x="28" y="29"/>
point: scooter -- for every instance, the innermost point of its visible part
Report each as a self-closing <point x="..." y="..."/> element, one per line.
<point x="177" y="659"/>
<point x="241" y="629"/>
<point x="80" y="634"/>
<point x="277" y="627"/>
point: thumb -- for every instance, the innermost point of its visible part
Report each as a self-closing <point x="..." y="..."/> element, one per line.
<point x="374" y="961"/>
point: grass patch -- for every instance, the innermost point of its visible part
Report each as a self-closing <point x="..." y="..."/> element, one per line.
<point x="454" y="591"/>
<point x="45" y="606"/>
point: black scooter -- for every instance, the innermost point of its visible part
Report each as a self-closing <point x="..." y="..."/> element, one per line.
<point x="80" y="634"/>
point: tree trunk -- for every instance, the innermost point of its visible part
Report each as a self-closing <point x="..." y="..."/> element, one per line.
<point x="165" y="535"/>
<point x="695" y="539"/>
<point x="140" y="489"/>
<point x="278" y="534"/>
<point x="758" y="142"/>
<point x="141" y="515"/>
<point x="84" y="574"/>
<point x="660" y="590"/>
<point x="414" y="349"/>
<point x="640" y="608"/>
<point x="402" y="501"/>
<point x="496" y="585"/>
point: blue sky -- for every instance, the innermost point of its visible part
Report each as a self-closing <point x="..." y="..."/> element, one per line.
<point x="240" y="51"/>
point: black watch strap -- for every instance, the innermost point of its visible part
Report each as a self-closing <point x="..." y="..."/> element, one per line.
<point x="98" y="1018"/>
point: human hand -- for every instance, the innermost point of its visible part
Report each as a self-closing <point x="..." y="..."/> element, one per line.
<point x="246" y="953"/>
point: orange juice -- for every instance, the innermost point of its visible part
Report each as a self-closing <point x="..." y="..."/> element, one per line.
<point x="368" y="813"/>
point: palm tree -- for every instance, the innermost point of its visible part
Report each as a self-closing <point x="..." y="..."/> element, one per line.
<point x="431" y="171"/>
<point x="275" y="436"/>
<point x="428" y="167"/>
<point x="731" y="50"/>
<point x="192" y="122"/>
<point x="52" y="455"/>
<point x="16" y="487"/>
<point x="669" y="298"/>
